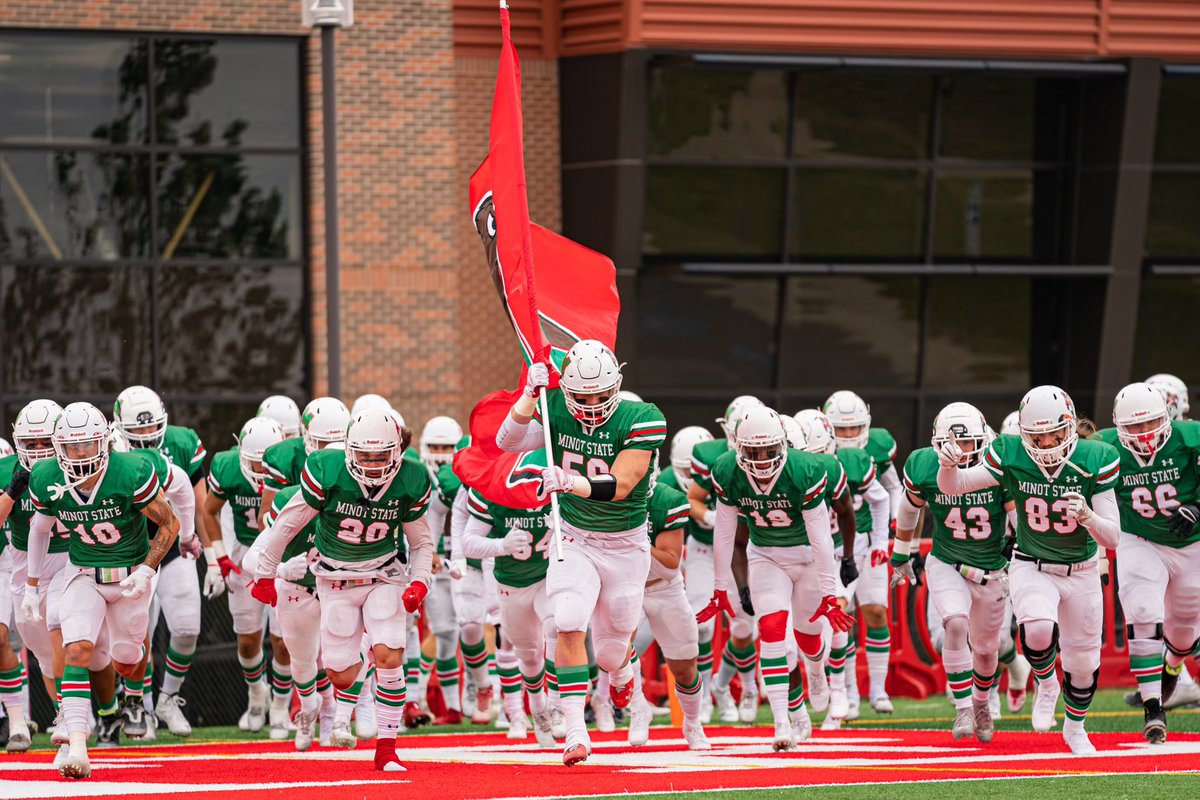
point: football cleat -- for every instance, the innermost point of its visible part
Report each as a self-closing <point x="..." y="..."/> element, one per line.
<point x="386" y="759"/>
<point x="640" y="717"/>
<point x="693" y="734"/>
<point x="1077" y="739"/>
<point x="748" y="708"/>
<point x="726" y="708"/>
<point x="784" y="739"/>
<point x="170" y="711"/>
<point x="964" y="723"/>
<point x="1018" y="680"/>
<point x="852" y="714"/>
<point x="882" y="704"/>
<point x="483" y="706"/>
<point x="76" y="765"/>
<point x="602" y="711"/>
<point x="304" y="729"/>
<point x="1155" y="727"/>
<point x="818" y="690"/>
<point x="802" y="723"/>
<point x="985" y="729"/>
<point x="278" y="718"/>
<point x="18" y="739"/>
<point x="256" y="711"/>
<point x="830" y="724"/>
<point x="993" y="703"/>
<point x="325" y="720"/>
<point x="1044" y="703"/>
<point x="415" y="716"/>
<point x="341" y="736"/>
<point x="60" y="757"/>
<point x="518" y="727"/>
<point x="108" y="731"/>
<point x="133" y="718"/>
<point x="575" y="754"/>
<point x="365" y="727"/>
<point x="559" y="726"/>
<point x="621" y="695"/>
<point x="839" y="701"/>
<point x="543" y="727"/>
<point x="1186" y="693"/>
<point x="452" y="717"/>
<point x="58" y="731"/>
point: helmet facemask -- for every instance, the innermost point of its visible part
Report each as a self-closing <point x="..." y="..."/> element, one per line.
<point x="1145" y="437"/>
<point x="32" y="449"/>
<point x="252" y="469"/>
<point x="594" y="408"/>
<point x="82" y="458"/>
<point x="373" y="466"/>
<point x="762" y="461"/>
<point x="1050" y="457"/>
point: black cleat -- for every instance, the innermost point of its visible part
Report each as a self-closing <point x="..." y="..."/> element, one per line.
<point x="1169" y="681"/>
<point x="133" y="718"/>
<point x="108" y="730"/>
<point x="1155" y="727"/>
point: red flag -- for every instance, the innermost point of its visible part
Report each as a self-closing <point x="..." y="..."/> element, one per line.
<point x="572" y="296"/>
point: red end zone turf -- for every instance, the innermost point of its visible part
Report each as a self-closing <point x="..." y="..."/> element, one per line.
<point x="473" y="766"/>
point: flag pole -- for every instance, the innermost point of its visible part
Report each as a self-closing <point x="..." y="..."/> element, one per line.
<point x="555" y="515"/>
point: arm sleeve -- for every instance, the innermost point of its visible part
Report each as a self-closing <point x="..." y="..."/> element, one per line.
<point x="40" y="528"/>
<point x="435" y="515"/>
<point x="954" y="480"/>
<point x="891" y="483"/>
<point x="475" y="541"/>
<point x="880" y="503"/>
<point x="179" y="493"/>
<point x="291" y="520"/>
<point x="420" y="550"/>
<point x="514" y="437"/>
<point x="724" y="534"/>
<point x="907" y="516"/>
<point x="816" y="521"/>
<point x="1106" y="519"/>
<point x="459" y="513"/>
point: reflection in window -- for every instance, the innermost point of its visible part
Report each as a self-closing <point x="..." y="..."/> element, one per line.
<point x="71" y="331"/>
<point x="960" y="351"/>
<point x="222" y="341"/>
<point x="984" y="215"/>
<point x="704" y="331"/>
<point x="834" y="327"/>
<point x="987" y="117"/>
<point x="1172" y="232"/>
<point x="714" y="213"/>
<point x="851" y="114"/>
<point x="718" y="113"/>
<point x="1176" y="137"/>
<point x="857" y="213"/>
<point x="73" y="204"/>
<point x="1166" y="330"/>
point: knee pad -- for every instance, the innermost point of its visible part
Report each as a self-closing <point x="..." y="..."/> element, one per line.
<point x="183" y="644"/>
<point x="343" y="620"/>
<point x="611" y="653"/>
<point x="1184" y="651"/>
<point x="1032" y="653"/>
<point x="125" y="652"/>
<point x="812" y="645"/>
<point x="773" y="627"/>
<point x="1143" y="630"/>
<point x="471" y="632"/>
<point x="956" y="632"/>
<point x="1076" y="693"/>
<point x="570" y="616"/>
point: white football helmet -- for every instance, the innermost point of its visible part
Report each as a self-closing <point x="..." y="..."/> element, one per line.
<point x="631" y="396"/>
<point x="736" y="409"/>
<point x="795" y="434"/>
<point x="283" y="410"/>
<point x="1142" y="405"/>
<point x="1048" y="409"/>
<point x="325" y="420"/>
<point x="6" y="449"/>
<point x="440" y="432"/>
<point x="817" y="430"/>
<point x="396" y="415"/>
<point x="256" y="436"/>
<point x="140" y="414"/>
<point x="847" y="411"/>
<point x="962" y="422"/>
<point x="591" y="382"/>
<point x="33" y="432"/>
<point x="1011" y="425"/>
<point x="81" y="441"/>
<point x="369" y="402"/>
<point x="373" y="450"/>
<point x="117" y="443"/>
<point x="761" y="443"/>
<point x="1174" y="391"/>
<point x="682" y="444"/>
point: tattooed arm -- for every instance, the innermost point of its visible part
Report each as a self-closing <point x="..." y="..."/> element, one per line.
<point x="159" y="511"/>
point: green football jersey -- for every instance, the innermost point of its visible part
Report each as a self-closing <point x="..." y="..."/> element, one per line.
<point x="226" y="481"/>
<point x="107" y="530"/>
<point x="351" y="526"/>
<point x="881" y="446"/>
<point x="304" y="541"/>
<point x="774" y="516"/>
<point x="669" y="511"/>
<point x="967" y="528"/>
<point x="283" y="463"/>
<point x="22" y="512"/>
<point x="704" y="455"/>
<point x="861" y="472"/>
<point x="632" y="426"/>
<point x="694" y="530"/>
<point x="1149" y="493"/>
<point x="182" y="446"/>
<point x="529" y="566"/>
<point x="1044" y="531"/>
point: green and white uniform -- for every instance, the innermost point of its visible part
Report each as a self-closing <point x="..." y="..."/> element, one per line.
<point x="282" y="464"/>
<point x="872" y="508"/>
<point x="672" y="620"/>
<point x="881" y="446"/>
<point x="182" y="447"/>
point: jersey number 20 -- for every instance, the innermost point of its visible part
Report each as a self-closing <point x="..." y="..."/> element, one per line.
<point x="353" y="531"/>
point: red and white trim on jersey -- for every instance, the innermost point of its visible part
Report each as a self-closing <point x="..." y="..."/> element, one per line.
<point x="198" y="456"/>
<point x="149" y="489"/>
<point x="816" y="490"/>
<point x="310" y="485"/>
<point x="214" y="485"/>
<point x="478" y="507"/>
<point x="993" y="463"/>
<point x="1108" y="475"/>
<point x="699" y="469"/>
<point x="677" y="517"/>
<point x="424" y="501"/>
<point x="842" y="483"/>
<point x="647" y="432"/>
<point x="870" y="477"/>
<point x="274" y="473"/>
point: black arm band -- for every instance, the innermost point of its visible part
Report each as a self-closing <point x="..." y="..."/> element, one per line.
<point x="604" y="487"/>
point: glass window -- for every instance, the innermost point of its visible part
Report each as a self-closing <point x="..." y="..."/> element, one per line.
<point x="842" y="332"/>
<point x="977" y="332"/>
<point x="212" y="206"/>
<point x="714" y="213"/>
<point x="702" y="331"/>
<point x="216" y="340"/>
<point x="216" y="423"/>
<point x="227" y="92"/>
<point x="987" y="117"/>
<point x="1172" y="231"/>
<point x="1166" y="331"/>
<point x="72" y="89"/>
<point x="73" y="204"/>
<point x="1177" y="137"/>
<point x="858" y="213"/>
<point x="984" y="215"/>
<point x="75" y="330"/>
<point x="850" y="114"/>
<point x="724" y="114"/>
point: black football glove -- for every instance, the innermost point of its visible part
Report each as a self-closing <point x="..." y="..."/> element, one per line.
<point x="747" y="606"/>
<point x="918" y="565"/>
<point x="18" y="484"/>
<point x="1007" y="550"/>
<point x="848" y="571"/>
<point x="1183" y="521"/>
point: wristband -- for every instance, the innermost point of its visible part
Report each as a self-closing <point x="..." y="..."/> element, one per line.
<point x="218" y="548"/>
<point x="603" y="487"/>
<point x="525" y="405"/>
<point x="903" y="547"/>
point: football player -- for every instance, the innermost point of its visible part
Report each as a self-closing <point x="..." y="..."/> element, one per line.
<point x="324" y="421"/>
<point x="1174" y="391"/>
<point x="283" y="410"/>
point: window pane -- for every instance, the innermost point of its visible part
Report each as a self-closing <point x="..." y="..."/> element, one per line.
<point x="854" y="213"/>
<point x="714" y="213"/>
<point x="977" y="333"/>
<point x="73" y="204"/>
<point x="1172" y="231"/>
<point x="226" y="330"/>
<point x="984" y="215"/>
<point x="71" y="331"/>
<point x="227" y="92"/>
<point x="891" y="412"/>
<point x="229" y="207"/>
<point x="216" y="423"/>
<point x="69" y="89"/>
<point x="718" y="113"/>
<point x="988" y="117"/>
<point x="1166" y="332"/>
<point x="705" y="331"/>
<point x="851" y="114"/>
<point x="843" y="332"/>
<point x="1178" y="120"/>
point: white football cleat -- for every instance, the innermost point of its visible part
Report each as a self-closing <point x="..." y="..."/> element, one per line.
<point x="993" y="703"/>
<point x="748" y="708"/>
<point x="602" y="710"/>
<point x="256" y="712"/>
<point x="558" y="723"/>
<point x="169" y="711"/>
<point x="1077" y="739"/>
<point x="727" y="710"/>
<point x="58" y="731"/>
<point x="852" y="714"/>
<point x="802" y="723"/>
<point x="278" y="719"/>
<point x="784" y="739"/>
<point x="882" y="704"/>
<point x="831" y="724"/>
<point x="518" y="727"/>
<point x="1044" y="703"/>
<point x="818" y="689"/>
<point x="325" y="720"/>
<point x="1018" y="679"/>
<point x="76" y="764"/>
<point x="365" y="727"/>
<point x="305" y="721"/>
<point x="60" y="757"/>
<point x="693" y="734"/>
<point x="964" y="723"/>
<point x="543" y="728"/>
<point x="706" y="707"/>
<point x="985" y="728"/>
<point x="639" y="722"/>
<point x="341" y="736"/>
<point x="839" y="701"/>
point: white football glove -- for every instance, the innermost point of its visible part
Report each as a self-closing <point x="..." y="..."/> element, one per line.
<point x="1078" y="508"/>
<point x="904" y="573"/>
<point x="709" y="521"/>
<point x="31" y="604"/>
<point x="518" y="543"/>
<point x="458" y="568"/>
<point x="949" y="454"/>
<point x="214" y="584"/>
<point x="294" y="568"/>
<point x="536" y="379"/>
<point x="555" y="479"/>
<point x="190" y="548"/>
<point x="137" y="583"/>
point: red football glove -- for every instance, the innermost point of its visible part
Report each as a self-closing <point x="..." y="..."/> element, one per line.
<point x="227" y="566"/>
<point x="829" y="608"/>
<point x="718" y="603"/>
<point x="878" y="557"/>
<point x="263" y="590"/>
<point x="414" y="595"/>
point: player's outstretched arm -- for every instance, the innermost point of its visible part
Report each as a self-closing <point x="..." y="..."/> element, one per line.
<point x="420" y="550"/>
<point x="291" y="520"/>
<point x="843" y="509"/>
<point x="476" y="543"/>
<point x="955" y="480"/>
<point x="880" y="504"/>
<point x="816" y="522"/>
<point x="159" y="511"/>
